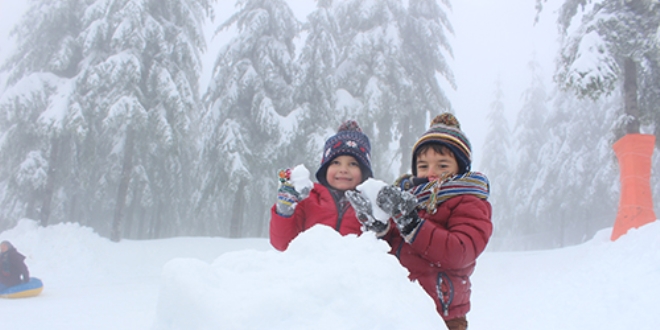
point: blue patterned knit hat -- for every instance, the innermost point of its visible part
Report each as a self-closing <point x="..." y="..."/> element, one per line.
<point x="446" y="130"/>
<point x="350" y="141"/>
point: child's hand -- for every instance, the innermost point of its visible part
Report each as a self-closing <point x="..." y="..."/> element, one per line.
<point x="401" y="205"/>
<point x="298" y="177"/>
<point x="364" y="212"/>
<point x="395" y="201"/>
<point x="287" y="199"/>
<point x="294" y="187"/>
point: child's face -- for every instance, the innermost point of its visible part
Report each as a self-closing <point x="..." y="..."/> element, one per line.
<point x="433" y="165"/>
<point x="344" y="173"/>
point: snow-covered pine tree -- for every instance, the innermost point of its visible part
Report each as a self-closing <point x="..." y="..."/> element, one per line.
<point x="369" y="77"/>
<point x="649" y="93"/>
<point x="38" y="121"/>
<point x="24" y="146"/>
<point x="612" y="42"/>
<point x="390" y="58"/>
<point x="565" y="181"/>
<point x="650" y="101"/>
<point x="425" y="51"/>
<point x="141" y="88"/>
<point x="316" y="89"/>
<point x="131" y="70"/>
<point x="580" y="169"/>
<point x="497" y="163"/>
<point x="248" y="120"/>
<point x="526" y="191"/>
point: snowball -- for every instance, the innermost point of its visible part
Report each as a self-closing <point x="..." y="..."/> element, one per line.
<point x="300" y="180"/>
<point x="370" y="189"/>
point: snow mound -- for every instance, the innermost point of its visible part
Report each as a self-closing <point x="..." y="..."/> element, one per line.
<point x="323" y="281"/>
<point x="599" y="284"/>
<point x="57" y="245"/>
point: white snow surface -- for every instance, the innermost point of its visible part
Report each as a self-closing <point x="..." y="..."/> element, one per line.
<point x="323" y="281"/>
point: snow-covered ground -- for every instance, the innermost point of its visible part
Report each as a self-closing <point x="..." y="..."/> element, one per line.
<point x="323" y="281"/>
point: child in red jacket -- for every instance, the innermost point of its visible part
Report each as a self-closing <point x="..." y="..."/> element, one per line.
<point x="345" y="164"/>
<point x="441" y="216"/>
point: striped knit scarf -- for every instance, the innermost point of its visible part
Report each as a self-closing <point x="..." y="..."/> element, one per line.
<point x="431" y="194"/>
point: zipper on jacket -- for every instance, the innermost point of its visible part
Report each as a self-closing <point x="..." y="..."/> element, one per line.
<point x="337" y="197"/>
<point x="446" y="297"/>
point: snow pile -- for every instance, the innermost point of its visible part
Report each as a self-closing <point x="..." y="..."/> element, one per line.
<point x="55" y="246"/>
<point x="323" y="281"/>
<point x="596" y="285"/>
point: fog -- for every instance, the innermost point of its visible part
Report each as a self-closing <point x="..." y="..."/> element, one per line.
<point x="491" y="41"/>
<point x="495" y="40"/>
<point x="492" y="44"/>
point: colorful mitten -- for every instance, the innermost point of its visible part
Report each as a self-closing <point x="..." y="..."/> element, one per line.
<point x="287" y="199"/>
<point x="287" y="196"/>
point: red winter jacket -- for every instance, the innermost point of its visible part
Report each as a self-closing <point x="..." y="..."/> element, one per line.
<point x="13" y="270"/>
<point x="319" y="208"/>
<point x="443" y="253"/>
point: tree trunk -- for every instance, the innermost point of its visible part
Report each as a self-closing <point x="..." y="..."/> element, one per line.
<point x="237" y="212"/>
<point x="630" y="104"/>
<point x="127" y="167"/>
<point x="50" y="182"/>
<point x="156" y="223"/>
<point x="131" y="226"/>
<point x="136" y="223"/>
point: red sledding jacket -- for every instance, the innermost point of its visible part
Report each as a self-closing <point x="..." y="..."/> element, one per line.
<point x="319" y="208"/>
<point x="443" y="253"/>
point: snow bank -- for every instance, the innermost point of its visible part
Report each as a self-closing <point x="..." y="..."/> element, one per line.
<point x="323" y="281"/>
<point x="596" y="285"/>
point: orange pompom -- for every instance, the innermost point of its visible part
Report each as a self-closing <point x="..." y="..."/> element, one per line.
<point x="284" y="175"/>
<point x="446" y="119"/>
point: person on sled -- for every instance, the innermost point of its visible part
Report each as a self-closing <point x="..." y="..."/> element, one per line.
<point x="13" y="270"/>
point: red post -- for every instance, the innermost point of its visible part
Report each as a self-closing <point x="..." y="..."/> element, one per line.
<point x="634" y="153"/>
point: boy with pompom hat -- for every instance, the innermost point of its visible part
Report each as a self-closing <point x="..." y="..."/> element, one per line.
<point x="345" y="163"/>
<point x="441" y="218"/>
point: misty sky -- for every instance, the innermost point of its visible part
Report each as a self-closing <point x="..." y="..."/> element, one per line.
<point x="491" y="39"/>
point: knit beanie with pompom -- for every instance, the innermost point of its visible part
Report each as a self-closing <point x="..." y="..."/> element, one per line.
<point x="350" y="141"/>
<point x="446" y="130"/>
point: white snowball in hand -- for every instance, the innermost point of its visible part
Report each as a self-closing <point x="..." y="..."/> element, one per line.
<point x="370" y="189"/>
<point x="300" y="179"/>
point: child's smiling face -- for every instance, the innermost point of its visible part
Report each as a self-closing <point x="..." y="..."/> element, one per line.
<point x="344" y="173"/>
<point x="433" y="165"/>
